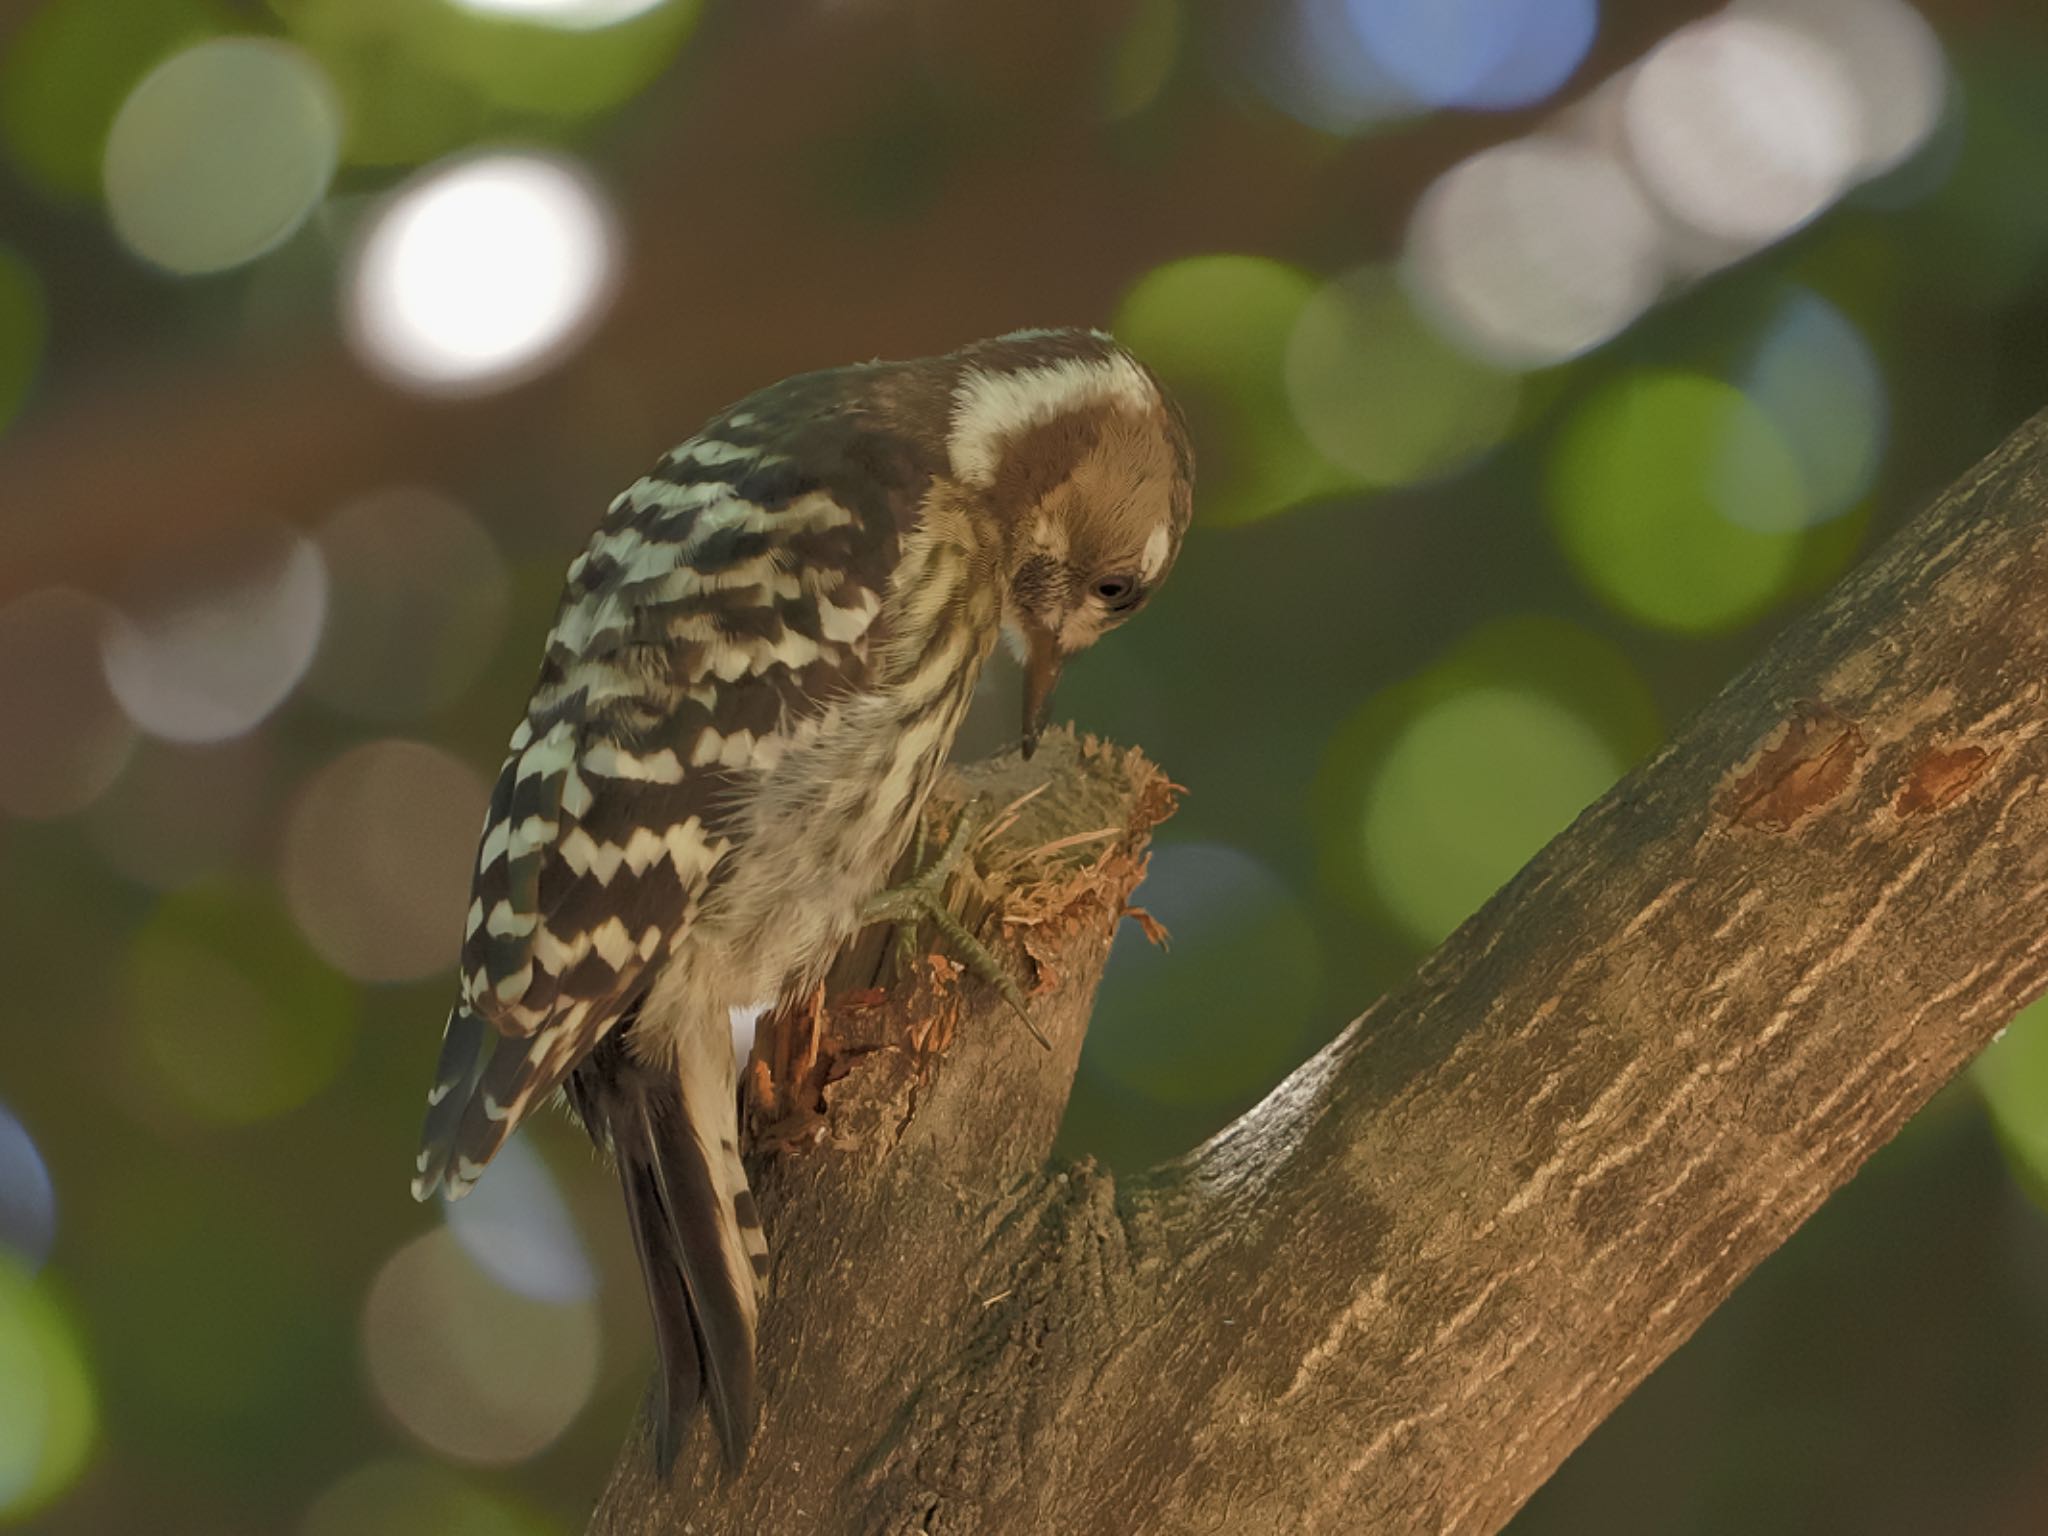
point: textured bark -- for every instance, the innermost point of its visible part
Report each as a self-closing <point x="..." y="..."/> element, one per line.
<point x="1396" y="1294"/>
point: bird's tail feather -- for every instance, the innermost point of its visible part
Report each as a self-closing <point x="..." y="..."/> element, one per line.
<point x="674" y="1135"/>
<point x="677" y="1162"/>
<point x="675" y="1330"/>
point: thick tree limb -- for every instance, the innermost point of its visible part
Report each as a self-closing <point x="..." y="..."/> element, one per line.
<point x="1397" y="1293"/>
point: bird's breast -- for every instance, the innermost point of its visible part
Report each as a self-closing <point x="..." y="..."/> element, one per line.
<point x="822" y="829"/>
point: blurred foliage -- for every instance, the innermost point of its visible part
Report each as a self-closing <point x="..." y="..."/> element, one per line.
<point x="2013" y="1075"/>
<point x="68" y="70"/>
<point x="407" y="1497"/>
<point x="1433" y="606"/>
<point x="22" y="327"/>
<point x="419" y="80"/>
<point x="46" y="1395"/>
<point x="1678" y="501"/>
<point x="232" y="1011"/>
<point x="1217" y="328"/>
<point x="1382" y="393"/>
<point x="1417" y="821"/>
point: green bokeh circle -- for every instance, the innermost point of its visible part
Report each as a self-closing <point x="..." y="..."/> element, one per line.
<point x="47" y="1411"/>
<point x="1381" y="393"/>
<point x="2012" y="1074"/>
<point x="1644" y="487"/>
<point x="1216" y="329"/>
<point x="231" y="1010"/>
<point x="1469" y="790"/>
<point x="220" y="153"/>
<point x="421" y="79"/>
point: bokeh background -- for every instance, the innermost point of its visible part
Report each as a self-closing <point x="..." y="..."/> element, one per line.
<point x="1543" y="357"/>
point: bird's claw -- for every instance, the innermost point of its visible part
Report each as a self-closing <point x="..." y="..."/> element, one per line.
<point x="923" y="897"/>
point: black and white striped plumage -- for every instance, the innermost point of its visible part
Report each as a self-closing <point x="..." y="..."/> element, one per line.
<point x="757" y="669"/>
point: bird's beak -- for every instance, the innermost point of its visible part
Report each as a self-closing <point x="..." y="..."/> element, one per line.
<point x="1041" y="673"/>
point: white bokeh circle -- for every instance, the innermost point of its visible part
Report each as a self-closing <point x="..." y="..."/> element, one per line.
<point x="481" y="272"/>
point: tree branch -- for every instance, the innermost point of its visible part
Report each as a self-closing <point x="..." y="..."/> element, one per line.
<point x="1398" y="1292"/>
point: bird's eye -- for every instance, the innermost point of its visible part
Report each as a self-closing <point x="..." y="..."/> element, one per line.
<point x="1117" y="591"/>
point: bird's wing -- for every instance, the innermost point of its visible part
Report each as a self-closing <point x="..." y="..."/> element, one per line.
<point x="724" y="599"/>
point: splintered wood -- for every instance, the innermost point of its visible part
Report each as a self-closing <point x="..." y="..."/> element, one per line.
<point x="1066" y="844"/>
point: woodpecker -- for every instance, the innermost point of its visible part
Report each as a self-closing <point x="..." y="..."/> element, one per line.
<point x="755" y="673"/>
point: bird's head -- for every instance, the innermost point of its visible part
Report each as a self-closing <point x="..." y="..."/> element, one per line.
<point x="1082" y="461"/>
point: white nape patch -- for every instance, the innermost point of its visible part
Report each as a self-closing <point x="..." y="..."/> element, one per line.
<point x="1153" y="560"/>
<point x="989" y="408"/>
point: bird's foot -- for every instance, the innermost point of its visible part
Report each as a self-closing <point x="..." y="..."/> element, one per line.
<point x="923" y="898"/>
